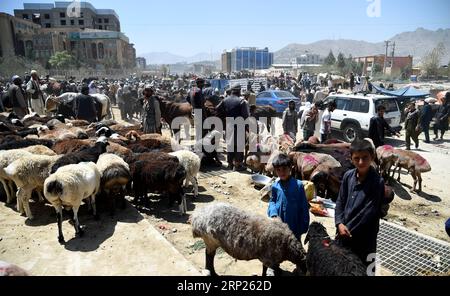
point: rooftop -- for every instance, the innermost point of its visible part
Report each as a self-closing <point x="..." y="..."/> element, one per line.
<point x="58" y="4"/>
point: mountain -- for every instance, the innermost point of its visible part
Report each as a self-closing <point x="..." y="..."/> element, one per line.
<point x="416" y="43"/>
<point x="169" y="58"/>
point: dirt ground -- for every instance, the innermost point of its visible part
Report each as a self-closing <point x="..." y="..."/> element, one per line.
<point x="425" y="213"/>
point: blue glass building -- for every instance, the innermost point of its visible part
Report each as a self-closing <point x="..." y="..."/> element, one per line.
<point x="250" y="58"/>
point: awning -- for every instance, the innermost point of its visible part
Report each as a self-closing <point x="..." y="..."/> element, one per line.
<point x="406" y="92"/>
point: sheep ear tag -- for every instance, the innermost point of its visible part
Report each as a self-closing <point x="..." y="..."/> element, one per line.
<point x="326" y="243"/>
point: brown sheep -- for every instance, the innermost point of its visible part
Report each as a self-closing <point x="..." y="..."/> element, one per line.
<point x="413" y="163"/>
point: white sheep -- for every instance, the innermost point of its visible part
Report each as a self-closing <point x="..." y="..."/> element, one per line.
<point x="29" y="173"/>
<point x="246" y="236"/>
<point x="40" y="150"/>
<point x="115" y="175"/>
<point x="6" y="158"/>
<point x="191" y="163"/>
<point x="68" y="186"/>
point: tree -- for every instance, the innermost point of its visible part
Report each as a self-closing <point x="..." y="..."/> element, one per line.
<point x="61" y="60"/>
<point x="340" y="63"/>
<point x="330" y="59"/>
<point x="431" y="62"/>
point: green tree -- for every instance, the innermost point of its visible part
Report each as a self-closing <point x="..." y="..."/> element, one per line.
<point x="431" y="62"/>
<point x="340" y="63"/>
<point x="330" y="59"/>
<point x="62" y="60"/>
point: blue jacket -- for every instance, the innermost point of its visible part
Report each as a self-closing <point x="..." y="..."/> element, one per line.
<point x="447" y="227"/>
<point x="290" y="205"/>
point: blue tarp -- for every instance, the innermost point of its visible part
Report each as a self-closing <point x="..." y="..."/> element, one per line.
<point x="407" y="92"/>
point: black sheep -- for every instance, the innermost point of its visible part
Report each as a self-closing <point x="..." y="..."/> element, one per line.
<point x="158" y="176"/>
<point x="85" y="155"/>
<point x="26" y="143"/>
<point x="327" y="258"/>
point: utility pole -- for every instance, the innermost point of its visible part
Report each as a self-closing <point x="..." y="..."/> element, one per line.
<point x="393" y="57"/>
<point x="385" y="57"/>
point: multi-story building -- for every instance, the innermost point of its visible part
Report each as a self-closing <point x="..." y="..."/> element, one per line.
<point x="16" y="37"/>
<point x="141" y="63"/>
<point x="246" y="58"/>
<point x="226" y="62"/>
<point x="102" y="49"/>
<point x="308" y="59"/>
<point x="63" y="15"/>
<point x="91" y="35"/>
<point x="394" y="65"/>
<point x="250" y="58"/>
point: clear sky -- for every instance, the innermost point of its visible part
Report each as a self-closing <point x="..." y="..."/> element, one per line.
<point x="190" y="27"/>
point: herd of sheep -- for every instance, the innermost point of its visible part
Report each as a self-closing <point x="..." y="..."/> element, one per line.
<point x="69" y="162"/>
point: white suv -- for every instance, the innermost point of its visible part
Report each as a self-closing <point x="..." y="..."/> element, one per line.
<point x="353" y="113"/>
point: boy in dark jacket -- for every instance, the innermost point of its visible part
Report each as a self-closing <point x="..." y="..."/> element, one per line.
<point x="359" y="204"/>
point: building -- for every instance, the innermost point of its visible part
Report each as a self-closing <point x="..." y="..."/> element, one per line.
<point x="308" y="59"/>
<point x="141" y="63"/>
<point x="246" y="58"/>
<point x="63" y="15"/>
<point x="394" y="65"/>
<point x="102" y="49"/>
<point x="91" y="35"/>
<point x="16" y="36"/>
<point x="226" y="62"/>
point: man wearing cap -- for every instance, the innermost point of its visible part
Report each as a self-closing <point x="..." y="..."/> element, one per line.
<point x="84" y="106"/>
<point x="151" y="114"/>
<point x="36" y="97"/>
<point x="234" y="107"/>
<point x="17" y="97"/>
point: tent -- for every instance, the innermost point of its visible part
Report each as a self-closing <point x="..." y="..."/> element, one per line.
<point x="406" y="92"/>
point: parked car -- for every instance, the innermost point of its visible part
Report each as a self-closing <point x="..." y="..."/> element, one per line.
<point x="353" y="113"/>
<point x="279" y="99"/>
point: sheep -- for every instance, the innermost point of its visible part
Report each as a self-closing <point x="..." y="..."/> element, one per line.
<point x="254" y="163"/>
<point x="414" y="163"/>
<point x="29" y="173"/>
<point x="40" y="150"/>
<point x="326" y="258"/>
<point x="246" y="236"/>
<point x="61" y="132"/>
<point x="161" y="176"/>
<point x="386" y="159"/>
<point x="115" y="175"/>
<point x="208" y="147"/>
<point x="86" y="155"/>
<point x="72" y="145"/>
<point x="68" y="186"/>
<point x="118" y="150"/>
<point x="191" y="163"/>
<point x="26" y="143"/>
<point x="7" y="269"/>
<point x="6" y="158"/>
